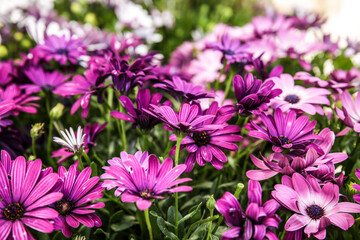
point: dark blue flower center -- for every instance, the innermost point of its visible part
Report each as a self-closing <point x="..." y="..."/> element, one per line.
<point x="284" y="140"/>
<point x="229" y="52"/>
<point x="62" y="51"/>
<point x="64" y="207"/>
<point x="147" y="193"/>
<point x="201" y="138"/>
<point x="13" y="211"/>
<point x="292" y="98"/>
<point x="315" y="212"/>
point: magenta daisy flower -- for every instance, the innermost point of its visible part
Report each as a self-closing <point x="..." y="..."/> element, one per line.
<point x="284" y="130"/>
<point x="137" y="115"/>
<point x="341" y="80"/>
<point x="184" y="89"/>
<point x="86" y="85"/>
<point x="188" y="119"/>
<point x="252" y="94"/>
<point x="355" y="186"/>
<point x="310" y="161"/>
<point x="6" y="108"/>
<point x="315" y="207"/>
<point x="23" y="102"/>
<point x="42" y="80"/>
<point x="136" y="184"/>
<point x="60" y="49"/>
<point x="25" y="197"/>
<point x="208" y="146"/>
<point x="76" y="206"/>
<point x="258" y="220"/>
<point x="232" y="50"/>
<point x="297" y="97"/>
<point x="350" y="113"/>
<point x="6" y="71"/>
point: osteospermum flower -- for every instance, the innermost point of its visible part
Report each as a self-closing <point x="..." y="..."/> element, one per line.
<point x="355" y="186"/>
<point x="350" y="113"/>
<point x="310" y="161"/>
<point x="60" y="49"/>
<point x="284" y="130"/>
<point x="137" y="115"/>
<point x="208" y="146"/>
<point x="184" y="89"/>
<point x="90" y="132"/>
<point x="141" y="186"/>
<point x="25" y="199"/>
<point x="43" y="80"/>
<point x="252" y="94"/>
<point x="297" y="97"/>
<point x="187" y="120"/>
<point x="315" y="207"/>
<point x="6" y="108"/>
<point x="86" y="85"/>
<point x="76" y="206"/>
<point x="258" y="220"/>
<point x="72" y="142"/>
<point x="232" y="50"/>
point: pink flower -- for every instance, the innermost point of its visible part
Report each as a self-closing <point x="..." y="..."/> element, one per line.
<point x="350" y="113"/>
<point x="315" y="207"/>
<point x="297" y="97"/>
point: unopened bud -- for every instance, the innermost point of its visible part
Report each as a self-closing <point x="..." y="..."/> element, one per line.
<point x="210" y="204"/>
<point x="57" y="111"/>
<point x="37" y="130"/>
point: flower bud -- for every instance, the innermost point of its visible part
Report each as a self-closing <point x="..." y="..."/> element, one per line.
<point x="210" y="204"/>
<point x="37" y="130"/>
<point x="57" y="111"/>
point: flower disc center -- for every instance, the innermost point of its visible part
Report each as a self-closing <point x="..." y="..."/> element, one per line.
<point x="13" y="211"/>
<point x="201" y="138"/>
<point x="315" y="212"/>
<point x="147" y="193"/>
<point x="292" y="98"/>
<point x="64" y="207"/>
<point x="284" y="140"/>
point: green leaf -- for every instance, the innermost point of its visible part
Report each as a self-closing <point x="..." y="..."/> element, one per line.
<point x="126" y="222"/>
<point x="161" y="224"/>
<point x="171" y="220"/>
<point x="191" y="214"/>
<point x="101" y="231"/>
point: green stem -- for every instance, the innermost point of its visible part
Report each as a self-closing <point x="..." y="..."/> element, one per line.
<point x="33" y="146"/>
<point x="179" y="138"/>
<point x="100" y="161"/>
<point x="209" y="231"/>
<point x="123" y="133"/>
<point x="144" y="137"/>
<point x="217" y="82"/>
<point x="50" y="159"/>
<point x="81" y="166"/>
<point x="87" y="159"/>
<point x="218" y="224"/>
<point x="199" y="222"/>
<point x="148" y="223"/>
<point x="228" y="87"/>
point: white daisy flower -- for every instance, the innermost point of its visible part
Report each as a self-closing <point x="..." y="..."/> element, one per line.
<point x="72" y="142"/>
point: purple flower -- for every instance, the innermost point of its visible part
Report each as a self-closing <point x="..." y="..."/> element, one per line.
<point x="136" y="184"/>
<point x="306" y="163"/>
<point x="6" y="108"/>
<point x="137" y="115"/>
<point x="87" y="86"/>
<point x="25" y="199"/>
<point x="341" y="79"/>
<point x="315" y="207"/>
<point x="184" y="89"/>
<point x="258" y="220"/>
<point x="263" y="25"/>
<point x="23" y="102"/>
<point x="49" y="81"/>
<point x="60" y="49"/>
<point x="297" y="97"/>
<point x="232" y="50"/>
<point x="284" y="131"/>
<point x="208" y="146"/>
<point x="355" y="186"/>
<point x="306" y="21"/>
<point x="126" y="77"/>
<point x="308" y="79"/>
<point x="187" y="120"/>
<point x="6" y="71"/>
<point x="350" y="113"/>
<point x="252" y="94"/>
<point x="75" y="206"/>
